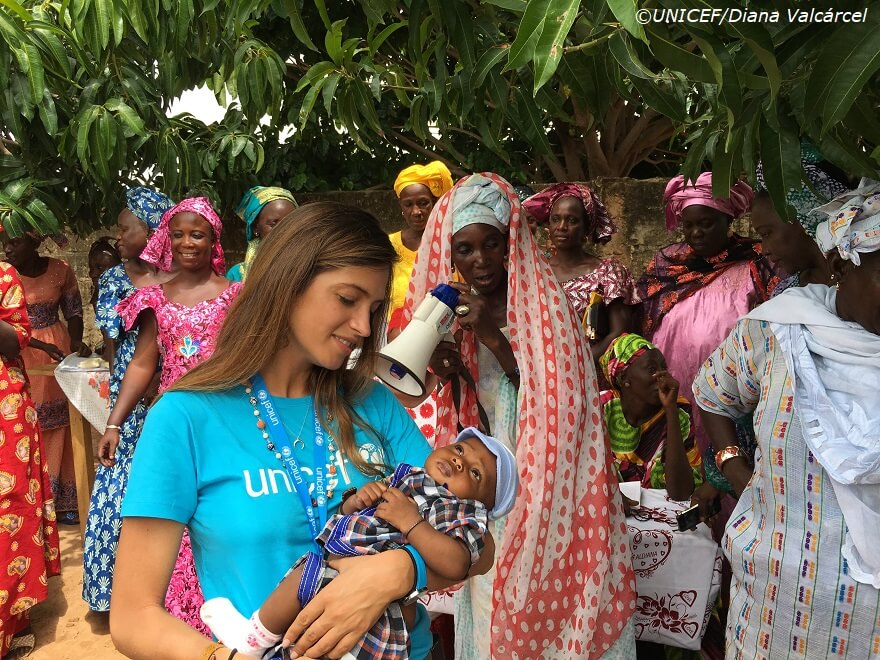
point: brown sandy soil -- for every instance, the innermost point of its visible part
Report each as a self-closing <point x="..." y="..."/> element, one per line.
<point x="64" y="627"/>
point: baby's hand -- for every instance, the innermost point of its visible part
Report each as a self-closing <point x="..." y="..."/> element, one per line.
<point x="399" y="510"/>
<point x="367" y="495"/>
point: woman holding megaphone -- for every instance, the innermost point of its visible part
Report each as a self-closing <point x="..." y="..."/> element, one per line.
<point x="520" y="368"/>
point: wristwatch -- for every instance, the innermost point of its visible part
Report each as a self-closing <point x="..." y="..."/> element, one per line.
<point x="421" y="584"/>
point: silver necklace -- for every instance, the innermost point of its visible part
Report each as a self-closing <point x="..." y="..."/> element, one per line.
<point x="298" y="443"/>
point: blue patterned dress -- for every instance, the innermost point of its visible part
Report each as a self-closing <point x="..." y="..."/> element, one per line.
<point x="104" y="523"/>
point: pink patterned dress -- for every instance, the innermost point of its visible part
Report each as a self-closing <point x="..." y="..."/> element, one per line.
<point x="611" y="278"/>
<point x="187" y="336"/>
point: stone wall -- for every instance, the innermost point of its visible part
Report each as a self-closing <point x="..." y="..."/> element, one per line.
<point x="634" y="204"/>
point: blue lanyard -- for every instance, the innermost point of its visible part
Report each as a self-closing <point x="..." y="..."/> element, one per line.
<point x="316" y="510"/>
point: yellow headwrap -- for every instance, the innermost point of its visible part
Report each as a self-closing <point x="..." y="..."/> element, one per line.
<point x="435" y="175"/>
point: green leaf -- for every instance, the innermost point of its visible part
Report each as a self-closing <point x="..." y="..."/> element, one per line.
<point x="726" y="164"/>
<point x="12" y="118"/>
<point x="781" y="158"/>
<point x="677" y="58"/>
<point x="99" y="145"/>
<point x="864" y="119"/>
<point x="487" y="61"/>
<point x="548" y="51"/>
<point x="532" y="122"/>
<point x="418" y="117"/>
<point x="10" y="30"/>
<point x="322" y="11"/>
<point x="294" y="15"/>
<point x="185" y="15"/>
<point x="367" y="107"/>
<point x="83" y="129"/>
<point x="129" y="118"/>
<point x="20" y="11"/>
<point x="380" y="38"/>
<point x="517" y="6"/>
<point x="848" y="60"/>
<point x="625" y="12"/>
<point x="261" y="158"/>
<point x="723" y="69"/>
<point x="315" y="72"/>
<point x="53" y="46"/>
<point x="843" y="151"/>
<point x="656" y="97"/>
<point x="622" y="49"/>
<point x="44" y="220"/>
<point x="32" y="66"/>
<point x="102" y="19"/>
<point x="48" y="113"/>
<point x="522" y="50"/>
<point x="309" y="102"/>
<point x="329" y="90"/>
<point x="460" y="27"/>
<point x="333" y="42"/>
<point x="137" y="19"/>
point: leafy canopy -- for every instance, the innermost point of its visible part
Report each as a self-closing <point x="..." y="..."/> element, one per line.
<point x="544" y="89"/>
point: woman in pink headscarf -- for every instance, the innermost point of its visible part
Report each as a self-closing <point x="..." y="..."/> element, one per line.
<point x="520" y="367"/>
<point x="179" y="322"/>
<point x="575" y="215"/>
<point x="694" y="291"/>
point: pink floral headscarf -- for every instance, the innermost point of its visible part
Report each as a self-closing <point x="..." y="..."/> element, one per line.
<point x="679" y="196"/>
<point x="158" y="250"/>
<point x="564" y="585"/>
<point x="599" y="226"/>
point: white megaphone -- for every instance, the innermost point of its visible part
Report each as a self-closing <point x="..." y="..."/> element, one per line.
<point x="403" y="363"/>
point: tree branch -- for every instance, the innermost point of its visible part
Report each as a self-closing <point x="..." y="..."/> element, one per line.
<point x="556" y="169"/>
<point x="573" y="163"/>
<point x="416" y="147"/>
<point x="597" y="162"/>
<point x="587" y="45"/>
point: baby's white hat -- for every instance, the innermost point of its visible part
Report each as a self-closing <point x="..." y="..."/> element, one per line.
<point x="506" y="474"/>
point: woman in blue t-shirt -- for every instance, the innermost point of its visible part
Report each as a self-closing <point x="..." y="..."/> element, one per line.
<point x="252" y="488"/>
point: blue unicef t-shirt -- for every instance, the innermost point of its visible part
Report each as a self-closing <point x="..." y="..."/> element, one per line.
<point x="201" y="461"/>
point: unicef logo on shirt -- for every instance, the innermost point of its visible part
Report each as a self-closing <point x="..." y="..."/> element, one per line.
<point x="285" y="451"/>
<point x="263" y="395"/>
<point x="372" y="453"/>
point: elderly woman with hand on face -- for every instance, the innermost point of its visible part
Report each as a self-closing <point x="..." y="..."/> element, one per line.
<point x="648" y="421"/>
<point x="520" y="369"/>
<point x="802" y="539"/>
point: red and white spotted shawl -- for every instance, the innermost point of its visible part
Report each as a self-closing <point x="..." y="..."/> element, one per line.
<point x="564" y="585"/>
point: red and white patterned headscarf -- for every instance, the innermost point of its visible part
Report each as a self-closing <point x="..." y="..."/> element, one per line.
<point x="158" y="249"/>
<point x="564" y="584"/>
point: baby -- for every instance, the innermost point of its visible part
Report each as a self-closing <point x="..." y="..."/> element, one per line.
<point x="461" y="487"/>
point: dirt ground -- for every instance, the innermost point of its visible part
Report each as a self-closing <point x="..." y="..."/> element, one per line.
<point x="64" y="627"/>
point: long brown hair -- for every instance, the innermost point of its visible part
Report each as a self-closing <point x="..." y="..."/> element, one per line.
<point x="313" y="239"/>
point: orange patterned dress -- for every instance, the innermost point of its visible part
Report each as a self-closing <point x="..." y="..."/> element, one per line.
<point x="29" y="552"/>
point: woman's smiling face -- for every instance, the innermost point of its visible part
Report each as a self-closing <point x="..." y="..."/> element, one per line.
<point x="191" y="240"/>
